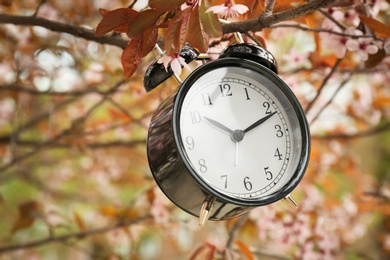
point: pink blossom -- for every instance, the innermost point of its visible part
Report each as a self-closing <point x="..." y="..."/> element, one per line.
<point x="175" y="61"/>
<point x="349" y="17"/>
<point x="228" y="10"/>
<point x="296" y="58"/>
<point x="159" y="207"/>
<point x="377" y="6"/>
<point x="338" y="43"/>
<point x="363" y="46"/>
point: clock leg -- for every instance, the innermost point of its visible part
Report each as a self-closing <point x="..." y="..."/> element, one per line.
<point x="205" y="210"/>
<point x="290" y="201"/>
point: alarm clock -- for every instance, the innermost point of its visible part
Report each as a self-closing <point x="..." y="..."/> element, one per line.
<point x="232" y="137"/>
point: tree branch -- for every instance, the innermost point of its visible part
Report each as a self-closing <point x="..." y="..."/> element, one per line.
<point x="323" y="84"/>
<point x="57" y="144"/>
<point x="269" y="7"/>
<point x="63" y="28"/>
<point x="341" y="85"/>
<point x="236" y="227"/>
<point x="77" y="235"/>
<point x="376" y="130"/>
<point x="258" y="24"/>
<point x="265" y="21"/>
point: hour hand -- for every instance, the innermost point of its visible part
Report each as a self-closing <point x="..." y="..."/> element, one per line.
<point x="219" y="125"/>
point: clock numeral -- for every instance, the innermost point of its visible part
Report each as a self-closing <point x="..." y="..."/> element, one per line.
<point x="268" y="173"/>
<point x="278" y="154"/>
<point x="247" y="184"/>
<point x="207" y="99"/>
<point x="190" y="142"/>
<point x="247" y="94"/>
<point x="225" y="177"/>
<point x="202" y="164"/>
<point x="195" y="117"/>
<point x="226" y="90"/>
<point x="279" y="132"/>
<point x="267" y="107"/>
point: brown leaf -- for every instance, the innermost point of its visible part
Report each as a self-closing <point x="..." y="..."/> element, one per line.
<point x="143" y="21"/>
<point x="116" y="20"/>
<point x="79" y="221"/>
<point x="164" y="5"/>
<point x="28" y="212"/>
<point x="198" y="37"/>
<point x="131" y="57"/>
<point x="149" y="40"/>
<point x="375" y="59"/>
<point x="379" y="28"/>
<point x="176" y="33"/>
<point x="210" y="22"/>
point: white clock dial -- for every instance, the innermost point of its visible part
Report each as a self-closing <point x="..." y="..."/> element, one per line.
<point x="239" y="133"/>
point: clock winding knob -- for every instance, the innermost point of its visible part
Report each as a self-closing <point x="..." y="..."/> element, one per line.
<point x="156" y="73"/>
<point x="251" y="52"/>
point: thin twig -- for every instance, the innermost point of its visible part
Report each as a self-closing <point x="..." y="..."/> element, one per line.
<point x="77" y="235"/>
<point x="369" y="132"/>
<point x="38" y="7"/>
<point x="19" y="88"/>
<point x="63" y="134"/>
<point x="327" y="15"/>
<point x="265" y="21"/>
<point x="63" y="28"/>
<point x="324" y="82"/>
<point x="236" y="227"/>
<point x="342" y="84"/>
<point x="270" y="7"/>
<point x="321" y="30"/>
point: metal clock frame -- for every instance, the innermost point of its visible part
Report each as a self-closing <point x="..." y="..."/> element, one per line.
<point x="173" y="171"/>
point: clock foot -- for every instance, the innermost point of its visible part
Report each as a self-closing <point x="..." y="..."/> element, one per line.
<point x="205" y="210"/>
<point x="290" y="201"/>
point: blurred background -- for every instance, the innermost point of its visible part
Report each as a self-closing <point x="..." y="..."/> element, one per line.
<point x="74" y="177"/>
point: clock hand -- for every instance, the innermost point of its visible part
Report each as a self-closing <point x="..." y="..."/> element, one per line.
<point x="236" y="155"/>
<point x="219" y="125"/>
<point x="258" y="122"/>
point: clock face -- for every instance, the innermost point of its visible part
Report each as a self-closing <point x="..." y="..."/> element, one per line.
<point x="240" y="134"/>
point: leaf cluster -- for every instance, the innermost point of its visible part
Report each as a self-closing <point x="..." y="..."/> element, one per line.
<point x="191" y="24"/>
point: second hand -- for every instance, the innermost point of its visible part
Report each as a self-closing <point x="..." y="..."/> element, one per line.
<point x="236" y="160"/>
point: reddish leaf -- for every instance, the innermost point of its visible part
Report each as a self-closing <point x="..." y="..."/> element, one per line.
<point x="210" y="22"/>
<point x="143" y="21"/>
<point x="176" y="33"/>
<point x="131" y="57"/>
<point x="149" y="40"/>
<point x="116" y="20"/>
<point x="197" y="38"/>
<point x="27" y="214"/>
<point x="380" y="29"/>
<point x="205" y="252"/>
<point x="103" y="12"/>
<point x="164" y="5"/>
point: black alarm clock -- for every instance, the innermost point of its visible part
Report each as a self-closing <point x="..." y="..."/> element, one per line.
<point x="232" y="137"/>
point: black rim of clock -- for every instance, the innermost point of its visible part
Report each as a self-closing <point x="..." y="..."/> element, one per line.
<point x="248" y="64"/>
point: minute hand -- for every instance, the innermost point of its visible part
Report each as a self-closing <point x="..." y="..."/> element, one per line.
<point x="258" y="122"/>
